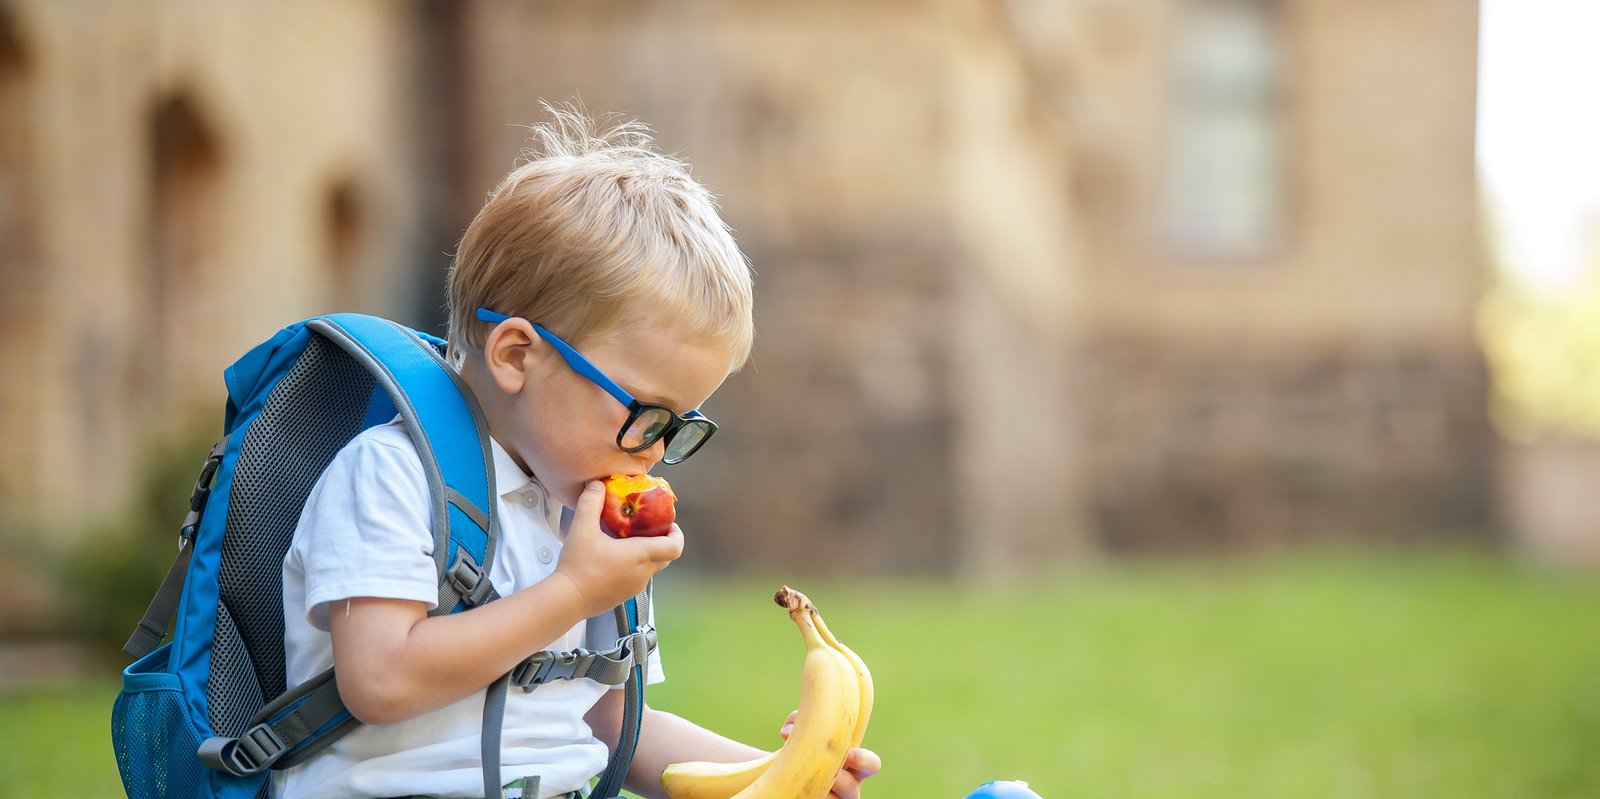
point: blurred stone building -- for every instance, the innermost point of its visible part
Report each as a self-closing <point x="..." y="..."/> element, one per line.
<point x="180" y="179"/>
<point x="1280" y="201"/>
<point x="1036" y="279"/>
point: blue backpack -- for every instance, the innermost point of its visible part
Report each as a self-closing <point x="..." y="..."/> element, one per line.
<point x="208" y="714"/>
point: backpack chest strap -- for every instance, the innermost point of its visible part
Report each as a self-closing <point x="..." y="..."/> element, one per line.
<point x="611" y="667"/>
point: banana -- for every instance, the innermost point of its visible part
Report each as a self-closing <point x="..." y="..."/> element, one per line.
<point x="705" y="780"/>
<point x="830" y="704"/>
<point x="863" y="676"/>
<point x="835" y="699"/>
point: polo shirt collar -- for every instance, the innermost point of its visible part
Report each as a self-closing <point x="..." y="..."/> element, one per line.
<point x="510" y="479"/>
<point x="508" y="476"/>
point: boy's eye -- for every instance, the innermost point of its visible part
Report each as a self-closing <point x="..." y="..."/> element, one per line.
<point x="649" y="425"/>
<point x="655" y="428"/>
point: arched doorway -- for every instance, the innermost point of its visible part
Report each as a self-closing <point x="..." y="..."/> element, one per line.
<point x="21" y="400"/>
<point x="344" y="226"/>
<point x="185" y="234"/>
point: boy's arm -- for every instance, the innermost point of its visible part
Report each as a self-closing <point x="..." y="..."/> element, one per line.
<point x="665" y="738"/>
<point x="394" y="662"/>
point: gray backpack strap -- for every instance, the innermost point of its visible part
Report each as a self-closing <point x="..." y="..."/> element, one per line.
<point x="633" y="619"/>
<point x="293" y="727"/>
<point x="465" y="583"/>
<point x="494" y="715"/>
<point x="625" y="664"/>
<point x="164" y="605"/>
<point x="611" y="667"/>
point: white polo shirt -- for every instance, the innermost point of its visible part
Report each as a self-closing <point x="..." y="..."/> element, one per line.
<point x="365" y="532"/>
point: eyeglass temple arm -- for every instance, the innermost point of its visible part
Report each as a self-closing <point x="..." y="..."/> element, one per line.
<point x="582" y="366"/>
<point x="578" y="363"/>
<point x="573" y="358"/>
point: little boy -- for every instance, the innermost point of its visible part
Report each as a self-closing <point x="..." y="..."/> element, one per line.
<point x="605" y="244"/>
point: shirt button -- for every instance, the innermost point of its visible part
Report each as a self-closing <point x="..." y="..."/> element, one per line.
<point x="530" y="500"/>
<point x="545" y="555"/>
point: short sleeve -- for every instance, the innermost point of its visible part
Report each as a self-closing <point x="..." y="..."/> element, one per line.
<point x="364" y="530"/>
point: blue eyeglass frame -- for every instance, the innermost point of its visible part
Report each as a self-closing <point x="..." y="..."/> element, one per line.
<point x="582" y="366"/>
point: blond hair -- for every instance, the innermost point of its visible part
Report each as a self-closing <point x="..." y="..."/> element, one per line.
<point x="595" y="230"/>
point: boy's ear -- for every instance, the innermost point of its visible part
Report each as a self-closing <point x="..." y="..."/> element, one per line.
<point x="509" y="354"/>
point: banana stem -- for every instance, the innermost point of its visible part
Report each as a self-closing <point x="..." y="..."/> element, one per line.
<point x="792" y="600"/>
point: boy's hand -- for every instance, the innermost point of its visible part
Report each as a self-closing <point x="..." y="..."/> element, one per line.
<point x="859" y="764"/>
<point x="608" y="571"/>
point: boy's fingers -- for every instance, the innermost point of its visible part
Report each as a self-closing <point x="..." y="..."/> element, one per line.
<point x="859" y="765"/>
<point x="590" y="501"/>
<point x="663" y="549"/>
<point x="863" y="763"/>
<point x="594" y="495"/>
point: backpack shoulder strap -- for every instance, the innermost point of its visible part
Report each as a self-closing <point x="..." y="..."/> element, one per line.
<point x="451" y="438"/>
<point x="627" y="665"/>
<point x="633" y="618"/>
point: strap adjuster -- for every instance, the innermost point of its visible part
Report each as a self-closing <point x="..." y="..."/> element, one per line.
<point x="251" y="753"/>
<point x="635" y="649"/>
<point x="469" y="582"/>
<point x="201" y="492"/>
<point x="642" y="640"/>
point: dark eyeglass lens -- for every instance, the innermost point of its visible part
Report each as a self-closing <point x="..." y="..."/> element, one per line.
<point x="647" y="426"/>
<point x="689" y="436"/>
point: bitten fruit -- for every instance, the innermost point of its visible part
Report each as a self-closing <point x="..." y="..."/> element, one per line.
<point x="638" y="505"/>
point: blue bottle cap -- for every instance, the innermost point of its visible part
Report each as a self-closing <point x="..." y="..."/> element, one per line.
<point x="1003" y="789"/>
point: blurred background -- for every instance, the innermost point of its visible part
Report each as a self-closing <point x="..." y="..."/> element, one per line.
<point x="1228" y="370"/>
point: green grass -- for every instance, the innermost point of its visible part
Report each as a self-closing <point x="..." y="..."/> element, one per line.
<point x="1319" y="677"/>
<point x="1332" y="676"/>
<point x="58" y="744"/>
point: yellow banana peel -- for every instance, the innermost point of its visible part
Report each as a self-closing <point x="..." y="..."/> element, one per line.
<point x="836" y="695"/>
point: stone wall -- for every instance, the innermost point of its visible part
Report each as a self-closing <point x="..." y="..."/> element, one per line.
<point x="972" y="349"/>
<point x="884" y="167"/>
<point x="196" y="175"/>
<point x="1327" y="383"/>
<point x="1204" y="448"/>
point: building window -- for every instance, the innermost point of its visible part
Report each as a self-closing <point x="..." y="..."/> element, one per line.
<point x="16" y="230"/>
<point x="1223" y="189"/>
<point x="185" y="237"/>
<point x="21" y="274"/>
<point x="344" y="235"/>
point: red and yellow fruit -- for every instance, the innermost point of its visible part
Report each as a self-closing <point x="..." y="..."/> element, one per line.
<point x="638" y="505"/>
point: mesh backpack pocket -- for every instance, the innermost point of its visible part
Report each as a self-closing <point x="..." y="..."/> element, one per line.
<point x="153" y="735"/>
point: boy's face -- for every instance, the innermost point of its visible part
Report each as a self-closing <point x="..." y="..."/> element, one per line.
<point x="562" y="427"/>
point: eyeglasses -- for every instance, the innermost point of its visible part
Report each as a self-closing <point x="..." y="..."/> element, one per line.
<point x="647" y="423"/>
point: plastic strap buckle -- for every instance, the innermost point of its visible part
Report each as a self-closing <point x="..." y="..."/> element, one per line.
<point x="469" y="582"/>
<point x="201" y="492"/>
<point x="251" y="753"/>
<point x="610" y="667"/>
<point x="542" y="667"/>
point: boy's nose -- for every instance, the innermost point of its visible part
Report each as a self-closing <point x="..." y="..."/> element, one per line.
<point x="653" y="454"/>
